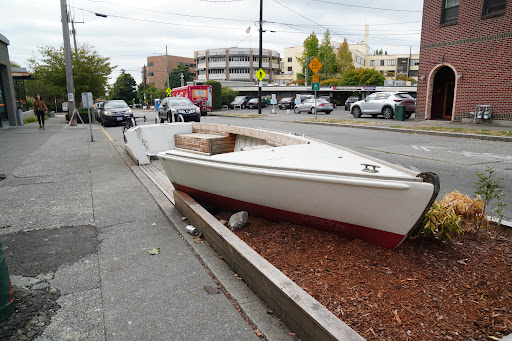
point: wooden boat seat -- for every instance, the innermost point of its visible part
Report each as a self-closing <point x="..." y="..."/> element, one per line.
<point x="209" y="144"/>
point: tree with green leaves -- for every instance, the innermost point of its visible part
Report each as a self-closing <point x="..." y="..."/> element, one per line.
<point x="151" y="92"/>
<point x="406" y="79"/>
<point x="175" y="76"/>
<point x="228" y="95"/>
<point x="124" y="88"/>
<point x="310" y="50"/>
<point x="362" y="77"/>
<point x="216" y="94"/>
<point x="327" y="56"/>
<point x="90" y="71"/>
<point x="344" y="59"/>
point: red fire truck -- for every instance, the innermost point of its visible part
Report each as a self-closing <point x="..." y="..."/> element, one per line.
<point x="200" y="95"/>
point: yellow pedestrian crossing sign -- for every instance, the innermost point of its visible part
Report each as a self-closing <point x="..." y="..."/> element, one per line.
<point x="169" y="91"/>
<point x="260" y="74"/>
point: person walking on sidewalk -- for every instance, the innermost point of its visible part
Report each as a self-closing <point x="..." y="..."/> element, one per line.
<point x="40" y="110"/>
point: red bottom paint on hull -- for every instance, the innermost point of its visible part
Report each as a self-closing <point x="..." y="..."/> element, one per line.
<point x="384" y="239"/>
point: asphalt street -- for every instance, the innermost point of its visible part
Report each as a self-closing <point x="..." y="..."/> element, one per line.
<point x="455" y="160"/>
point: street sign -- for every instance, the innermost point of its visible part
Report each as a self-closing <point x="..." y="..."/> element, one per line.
<point x="315" y="86"/>
<point x="273" y="100"/>
<point x="316" y="78"/>
<point x="260" y="74"/>
<point x="169" y="91"/>
<point x="315" y="65"/>
<point x="297" y="99"/>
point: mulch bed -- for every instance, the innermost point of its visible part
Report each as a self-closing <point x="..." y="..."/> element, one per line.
<point x="422" y="290"/>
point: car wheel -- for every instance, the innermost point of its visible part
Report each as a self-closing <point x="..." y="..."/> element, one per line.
<point x="204" y="113"/>
<point x="327" y="112"/>
<point x="296" y="110"/>
<point x="387" y="112"/>
<point x="102" y="122"/>
<point x="356" y="112"/>
<point x="408" y="116"/>
<point x="197" y="118"/>
<point x="313" y="110"/>
<point x="242" y="106"/>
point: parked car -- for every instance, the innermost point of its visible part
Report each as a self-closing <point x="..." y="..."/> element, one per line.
<point x="286" y="103"/>
<point x="383" y="103"/>
<point x="239" y="101"/>
<point x="253" y="104"/>
<point x="113" y="112"/>
<point x="178" y="106"/>
<point x="97" y="108"/>
<point x="309" y="106"/>
<point x="328" y="99"/>
<point x="349" y="101"/>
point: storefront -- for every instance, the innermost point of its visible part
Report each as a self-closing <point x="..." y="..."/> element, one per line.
<point x="7" y="94"/>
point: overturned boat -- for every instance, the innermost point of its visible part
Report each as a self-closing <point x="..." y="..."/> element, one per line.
<point x="284" y="177"/>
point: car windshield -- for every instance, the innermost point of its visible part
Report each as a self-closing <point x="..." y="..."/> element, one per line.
<point x="179" y="101"/>
<point x="286" y="99"/>
<point x="115" y="105"/>
<point x="404" y="96"/>
<point x="254" y="100"/>
<point x="239" y="99"/>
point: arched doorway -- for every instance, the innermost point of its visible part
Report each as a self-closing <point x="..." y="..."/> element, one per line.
<point x="443" y="93"/>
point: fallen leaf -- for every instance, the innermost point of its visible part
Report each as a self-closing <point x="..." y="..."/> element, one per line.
<point x="154" y="251"/>
<point x="154" y="224"/>
<point x="270" y="311"/>
<point x="212" y="290"/>
<point x="223" y="222"/>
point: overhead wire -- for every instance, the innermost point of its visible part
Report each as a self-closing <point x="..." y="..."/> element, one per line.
<point x="368" y="7"/>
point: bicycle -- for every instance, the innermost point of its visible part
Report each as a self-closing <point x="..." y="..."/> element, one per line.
<point x="130" y="123"/>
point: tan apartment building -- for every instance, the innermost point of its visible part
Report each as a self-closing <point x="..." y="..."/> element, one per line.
<point x="155" y="72"/>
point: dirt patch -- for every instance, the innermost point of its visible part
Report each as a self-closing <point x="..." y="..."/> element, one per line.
<point x="422" y="290"/>
<point x="34" y="310"/>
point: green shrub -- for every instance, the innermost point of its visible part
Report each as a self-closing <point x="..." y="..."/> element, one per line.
<point x="330" y="81"/>
<point x="83" y="114"/>
<point x="489" y="189"/>
<point x="440" y="222"/>
<point x="228" y="95"/>
<point x="216" y="94"/>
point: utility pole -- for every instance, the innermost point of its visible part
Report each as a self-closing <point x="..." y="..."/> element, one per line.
<point x="167" y="60"/>
<point x="409" y="63"/>
<point x="306" y="78"/>
<point x="67" y="58"/>
<point x="260" y="55"/>
<point x="182" y="79"/>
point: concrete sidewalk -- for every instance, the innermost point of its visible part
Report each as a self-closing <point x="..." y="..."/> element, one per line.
<point x="77" y="223"/>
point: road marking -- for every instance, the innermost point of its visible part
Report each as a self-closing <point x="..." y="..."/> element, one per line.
<point x="414" y="169"/>
<point x="427" y="148"/>
<point x="108" y="135"/>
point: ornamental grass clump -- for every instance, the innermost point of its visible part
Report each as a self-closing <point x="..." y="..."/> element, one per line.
<point x="440" y="222"/>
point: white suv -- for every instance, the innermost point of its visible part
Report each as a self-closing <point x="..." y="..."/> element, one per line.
<point x="383" y="103"/>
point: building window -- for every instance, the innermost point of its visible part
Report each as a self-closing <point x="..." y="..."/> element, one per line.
<point x="151" y="74"/>
<point x="382" y="62"/>
<point x="290" y="68"/>
<point x="415" y="62"/>
<point x="450" y="11"/>
<point x="372" y="62"/>
<point x="216" y="59"/>
<point x="494" y="6"/>
<point x="391" y="62"/>
<point x="290" y="59"/>
<point x="150" y="63"/>
<point x="413" y="73"/>
<point x="239" y="59"/>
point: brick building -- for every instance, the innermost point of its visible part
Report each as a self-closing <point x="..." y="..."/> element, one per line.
<point x="156" y="70"/>
<point x="465" y="59"/>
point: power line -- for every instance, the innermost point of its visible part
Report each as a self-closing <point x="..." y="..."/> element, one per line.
<point x="176" y="14"/>
<point x="161" y="22"/>
<point x="367" y="7"/>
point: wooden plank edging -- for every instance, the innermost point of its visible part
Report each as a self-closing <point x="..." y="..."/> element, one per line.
<point x="301" y="312"/>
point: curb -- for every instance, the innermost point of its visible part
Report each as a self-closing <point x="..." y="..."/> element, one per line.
<point x="301" y="312"/>
<point x="415" y="131"/>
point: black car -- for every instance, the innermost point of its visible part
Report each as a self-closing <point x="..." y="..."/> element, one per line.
<point x="286" y="103"/>
<point x="350" y="100"/>
<point x="240" y="101"/>
<point x="253" y="103"/>
<point x="328" y="99"/>
<point x="113" y="112"/>
<point x="178" y="106"/>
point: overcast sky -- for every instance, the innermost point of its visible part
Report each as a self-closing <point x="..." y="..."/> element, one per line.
<point x="134" y="30"/>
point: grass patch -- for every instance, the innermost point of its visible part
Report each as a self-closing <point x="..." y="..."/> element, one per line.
<point x="459" y="130"/>
<point x="238" y="115"/>
<point x="333" y="120"/>
<point x="31" y="119"/>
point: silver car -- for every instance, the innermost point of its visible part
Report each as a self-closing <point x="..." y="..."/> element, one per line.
<point x="383" y="103"/>
<point x="309" y="106"/>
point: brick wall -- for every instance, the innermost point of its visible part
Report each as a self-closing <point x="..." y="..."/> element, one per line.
<point x="159" y="68"/>
<point x="478" y="48"/>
